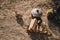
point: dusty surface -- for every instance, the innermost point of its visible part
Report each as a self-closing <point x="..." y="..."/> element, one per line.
<point x="13" y="29"/>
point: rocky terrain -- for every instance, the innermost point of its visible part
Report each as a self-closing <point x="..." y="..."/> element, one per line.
<point x="12" y="28"/>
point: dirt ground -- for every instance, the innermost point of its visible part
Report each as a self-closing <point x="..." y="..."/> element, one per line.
<point x="12" y="28"/>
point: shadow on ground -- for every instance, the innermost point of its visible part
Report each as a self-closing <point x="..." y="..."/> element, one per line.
<point x="56" y="3"/>
<point x="38" y="36"/>
<point x="53" y="22"/>
<point x="19" y="20"/>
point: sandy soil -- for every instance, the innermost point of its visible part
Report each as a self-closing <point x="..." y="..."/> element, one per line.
<point x="12" y="28"/>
